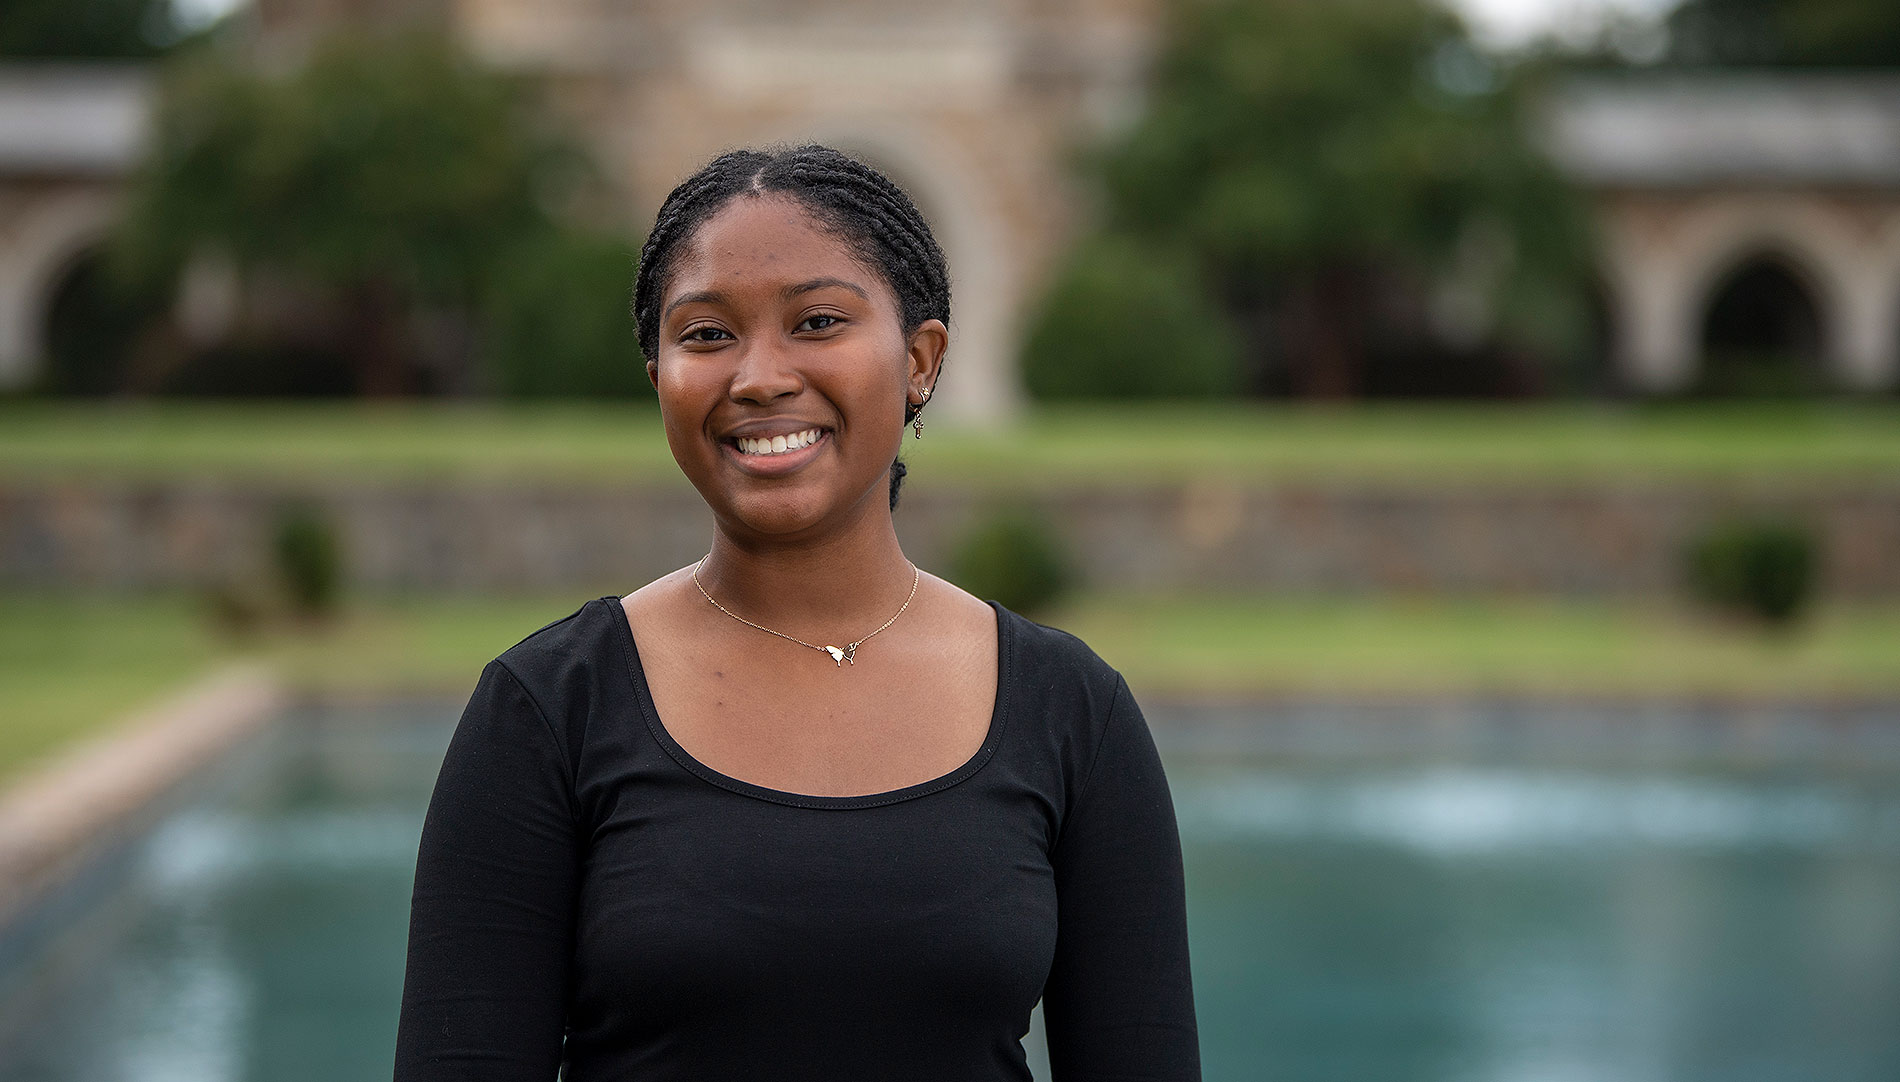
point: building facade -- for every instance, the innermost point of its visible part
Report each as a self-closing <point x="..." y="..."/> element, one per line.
<point x="979" y="110"/>
<point x="68" y="137"/>
<point x="1705" y="184"/>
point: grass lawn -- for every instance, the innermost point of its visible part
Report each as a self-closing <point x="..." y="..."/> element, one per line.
<point x="1560" y="441"/>
<point x="73" y="662"/>
<point x="1421" y="647"/>
<point x="70" y="663"/>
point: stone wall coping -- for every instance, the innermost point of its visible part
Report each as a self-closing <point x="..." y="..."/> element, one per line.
<point x="61" y="813"/>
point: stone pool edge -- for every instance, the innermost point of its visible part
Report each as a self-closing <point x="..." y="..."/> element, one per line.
<point x="56" y="817"/>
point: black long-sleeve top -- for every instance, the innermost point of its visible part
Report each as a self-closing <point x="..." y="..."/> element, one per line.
<point x="590" y="898"/>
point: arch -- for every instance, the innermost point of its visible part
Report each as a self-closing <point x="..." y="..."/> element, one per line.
<point x="1762" y="328"/>
<point x="982" y="386"/>
<point x="1664" y="256"/>
<point x="93" y="327"/>
<point x="1760" y="250"/>
<point x="1824" y="250"/>
<point x="54" y="233"/>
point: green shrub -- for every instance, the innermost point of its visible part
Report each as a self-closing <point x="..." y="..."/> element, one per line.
<point x="1013" y="557"/>
<point x="1761" y="567"/>
<point x="309" y="560"/>
<point x="557" y="324"/>
<point x="1125" y="321"/>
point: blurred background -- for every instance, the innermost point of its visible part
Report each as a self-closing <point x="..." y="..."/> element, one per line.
<point x="1472" y="427"/>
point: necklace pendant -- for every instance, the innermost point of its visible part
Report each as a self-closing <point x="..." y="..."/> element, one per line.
<point x="838" y="657"/>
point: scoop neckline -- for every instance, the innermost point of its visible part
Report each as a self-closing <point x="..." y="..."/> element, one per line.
<point x="999" y="714"/>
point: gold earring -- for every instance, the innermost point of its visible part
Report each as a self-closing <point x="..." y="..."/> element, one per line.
<point x="917" y="422"/>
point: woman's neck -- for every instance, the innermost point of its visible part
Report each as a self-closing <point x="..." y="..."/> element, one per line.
<point x="843" y="578"/>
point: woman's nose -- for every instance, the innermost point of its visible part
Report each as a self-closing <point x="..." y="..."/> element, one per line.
<point x="764" y="373"/>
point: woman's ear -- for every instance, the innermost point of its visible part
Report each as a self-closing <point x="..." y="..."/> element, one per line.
<point x="927" y="345"/>
<point x="653" y="374"/>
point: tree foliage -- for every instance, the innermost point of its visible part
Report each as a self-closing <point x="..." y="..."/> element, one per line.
<point x="1349" y="179"/>
<point x="1785" y="33"/>
<point x="389" y="172"/>
<point x="392" y="159"/>
<point x="86" y="29"/>
<point x="558" y="322"/>
<point x="1127" y="321"/>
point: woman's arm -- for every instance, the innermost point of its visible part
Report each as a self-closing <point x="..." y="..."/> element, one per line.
<point x="490" y="922"/>
<point x="1119" y="1003"/>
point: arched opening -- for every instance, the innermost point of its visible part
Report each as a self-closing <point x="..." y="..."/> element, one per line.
<point x="1762" y="332"/>
<point x="93" y="324"/>
<point x="978" y="384"/>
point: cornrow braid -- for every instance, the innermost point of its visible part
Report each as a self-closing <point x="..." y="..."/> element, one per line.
<point x="862" y="205"/>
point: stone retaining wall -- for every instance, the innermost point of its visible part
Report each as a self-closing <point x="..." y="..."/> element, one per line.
<point x="1585" y="538"/>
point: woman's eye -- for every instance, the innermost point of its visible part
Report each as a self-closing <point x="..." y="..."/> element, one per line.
<point x="817" y="322"/>
<point x="704" y="334"/>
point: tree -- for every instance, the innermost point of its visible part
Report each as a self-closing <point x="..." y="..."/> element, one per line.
<point x="1324" y="166"/>
<point x="1126" y="321"/>
<point x="86" y="29"/>
<point x="388" y="173"/>
<point x="1785" y="33"/>
<point x="558" y="323"/>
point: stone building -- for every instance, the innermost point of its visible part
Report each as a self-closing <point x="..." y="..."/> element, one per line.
<point x="1775" y="194"/>
<point x="68" y="136"/>
<point x="1789" y="186"/>
<point x="976" y="108"/>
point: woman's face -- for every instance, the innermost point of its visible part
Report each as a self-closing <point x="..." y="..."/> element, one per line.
<point x="783" y="371"/>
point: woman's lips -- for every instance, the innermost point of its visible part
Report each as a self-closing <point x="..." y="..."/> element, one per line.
<point x="775" y="465"/>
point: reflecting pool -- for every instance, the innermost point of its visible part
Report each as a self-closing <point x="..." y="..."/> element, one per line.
<point x="1512" y="892"/>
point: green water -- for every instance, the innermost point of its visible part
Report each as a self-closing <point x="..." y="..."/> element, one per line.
<point x="1365" y="903"/>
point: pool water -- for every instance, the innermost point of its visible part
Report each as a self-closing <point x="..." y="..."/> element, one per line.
<point x="1557" y="896"/>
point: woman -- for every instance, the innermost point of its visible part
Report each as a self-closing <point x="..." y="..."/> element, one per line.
<point x="799" y="810"/>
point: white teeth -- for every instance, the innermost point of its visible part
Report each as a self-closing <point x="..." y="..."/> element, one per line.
<point x="777" y="445"/>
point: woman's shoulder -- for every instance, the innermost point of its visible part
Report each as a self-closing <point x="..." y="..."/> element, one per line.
<point x="1056" y="665"/>
<point x="1069" y="702"/>
<point x="570" y="654"/>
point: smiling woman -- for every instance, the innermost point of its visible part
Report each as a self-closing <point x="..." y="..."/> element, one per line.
<point x="776" y="329"/>
<point x="888" y="258"/>
<point x="668" y="842"/>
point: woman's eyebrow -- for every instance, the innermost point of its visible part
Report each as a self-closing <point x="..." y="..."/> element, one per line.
<point x="707" y="296"/>
<point x="821" y="283"/>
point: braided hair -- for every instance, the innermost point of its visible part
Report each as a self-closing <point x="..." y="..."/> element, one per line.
<point x="860" y="204"/>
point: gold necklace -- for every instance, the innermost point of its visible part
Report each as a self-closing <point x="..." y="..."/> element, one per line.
<point x="837" y="655"/>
